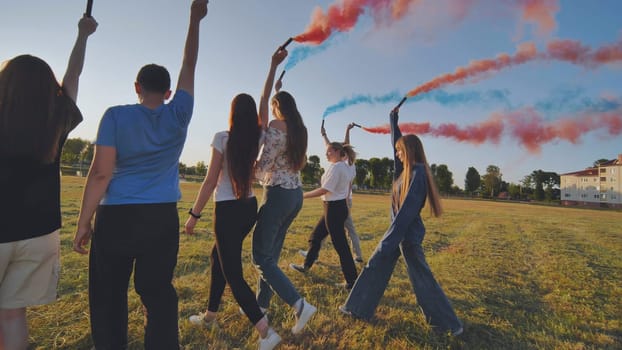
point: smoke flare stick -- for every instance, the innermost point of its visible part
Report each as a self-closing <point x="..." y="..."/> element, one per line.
<point x="357" y="125"/>
<point x="282" y="47"/>
<point x="401" y="102"/>
<point x="281" y="76"/>
<point x="89" y="8"/>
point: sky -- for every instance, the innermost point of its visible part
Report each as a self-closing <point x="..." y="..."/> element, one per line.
<point x="519" y="84"/>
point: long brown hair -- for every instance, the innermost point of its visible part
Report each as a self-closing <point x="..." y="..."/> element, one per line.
<point x="285" y="107"/>
<point x="243" y="143"/>
<point x="34" y="112"/>
<point x="412" y="152"/>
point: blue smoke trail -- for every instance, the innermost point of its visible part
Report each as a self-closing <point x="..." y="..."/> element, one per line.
<point x="439" y="96"/>
<point x="301" y="53"/>
<point x="571" y="100"/>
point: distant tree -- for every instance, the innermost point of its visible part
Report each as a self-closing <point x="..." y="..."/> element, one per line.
<point x="389" y="167"/>
<point x="443" y="177"/>
<point x="312" y="171"/>
<point x="73" y="150"/>
<point x="514" y="190"/>
<point x="381" y="172"/>
<point x="362" y="170"/>
<point x="201" y="168"/>
<point x="182" y="168"/>
<point x="472" y="180"/>
<point x="597" y="162"/>
<point x="455" y="190"/>
<point x="527" y="187"/>
<point x="492" y="180"/>
<point x="542" y="179"/>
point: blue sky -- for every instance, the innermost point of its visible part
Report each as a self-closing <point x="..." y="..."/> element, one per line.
<point x="378" y="61"/>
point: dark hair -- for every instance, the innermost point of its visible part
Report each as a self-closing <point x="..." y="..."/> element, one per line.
<point x="154" y="78"/>
<point x="34" y="112"/>
<point x="243" y="143"/>
<point x="285" y="107"/>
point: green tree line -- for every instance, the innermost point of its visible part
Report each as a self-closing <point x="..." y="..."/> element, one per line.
<point x="377" y="173"/>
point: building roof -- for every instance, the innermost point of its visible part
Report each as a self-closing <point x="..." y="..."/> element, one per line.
<point x="594" y="170"/>
<point x="585" y="172"/>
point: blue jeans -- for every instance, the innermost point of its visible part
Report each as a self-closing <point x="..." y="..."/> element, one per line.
<point x="372" y="282"/>
<point x="279" y="208"/>
<point x="354" y="237"/>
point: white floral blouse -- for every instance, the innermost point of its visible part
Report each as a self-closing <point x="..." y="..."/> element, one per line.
<point x="273" y="167"/>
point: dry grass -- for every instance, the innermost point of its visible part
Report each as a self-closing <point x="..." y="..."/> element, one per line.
<point x="520" y="276"/>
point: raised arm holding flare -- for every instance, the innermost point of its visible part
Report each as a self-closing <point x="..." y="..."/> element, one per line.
<point x="133" y="184"/>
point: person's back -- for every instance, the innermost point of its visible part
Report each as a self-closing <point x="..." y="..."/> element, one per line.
<point x="148" y="145"/>
<point x="134" y="187"/>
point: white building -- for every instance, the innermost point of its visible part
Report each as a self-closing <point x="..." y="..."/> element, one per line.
<point x="600" y="186"/>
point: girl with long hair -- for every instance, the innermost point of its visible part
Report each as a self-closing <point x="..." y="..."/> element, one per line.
<point x="278" y="170"/>
<point x="36" y="115"/>
<point x="413" y="183"/>
<point x="229" y="177"/>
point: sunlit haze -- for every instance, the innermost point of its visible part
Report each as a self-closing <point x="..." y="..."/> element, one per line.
<point x="523" y="85"/>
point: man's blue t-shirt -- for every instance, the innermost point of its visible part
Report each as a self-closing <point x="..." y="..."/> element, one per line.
<point x="148" y="145"/>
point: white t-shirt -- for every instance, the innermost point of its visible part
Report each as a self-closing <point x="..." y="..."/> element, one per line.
<point x="337" y="181"/>
<point x="352" y="169"/>
<point x="224" y="187"/>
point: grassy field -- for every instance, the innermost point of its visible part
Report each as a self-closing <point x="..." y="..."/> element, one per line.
<point x="519" y="276"/>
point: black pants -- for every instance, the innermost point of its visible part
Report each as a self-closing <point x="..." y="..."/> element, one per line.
<point x="143" y="238"/>
<point x="335" y="214"/>
<point x="233" y="221"/>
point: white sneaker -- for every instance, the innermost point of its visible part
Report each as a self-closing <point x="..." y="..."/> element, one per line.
<point x="305" y="315"/>
<point x="457" y="332"/>
<point x="302" y="252"/>
<point x="199" y="320"/>
<point x="271" y="340"/>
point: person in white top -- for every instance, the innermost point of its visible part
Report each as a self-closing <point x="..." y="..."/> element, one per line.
<point x="334" y="190"/>
<point x="349" y="224"/>
<point x="230" y="176"/>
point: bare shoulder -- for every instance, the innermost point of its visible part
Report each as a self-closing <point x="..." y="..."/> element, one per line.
<point x="278" y="124"/>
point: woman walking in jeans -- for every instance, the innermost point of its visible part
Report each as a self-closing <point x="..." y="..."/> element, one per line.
<point x="412" y="184"/>
<point x="229" y="177"/>
<point x="278" y="169"/>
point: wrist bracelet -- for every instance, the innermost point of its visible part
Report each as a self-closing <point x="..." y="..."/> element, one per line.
<point x="193" y="214"/>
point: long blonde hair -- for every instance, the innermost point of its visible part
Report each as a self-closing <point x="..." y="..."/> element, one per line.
<point x="412" y="153"/>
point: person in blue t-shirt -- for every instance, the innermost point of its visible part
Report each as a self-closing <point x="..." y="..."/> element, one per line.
<point x="133" y="184"/>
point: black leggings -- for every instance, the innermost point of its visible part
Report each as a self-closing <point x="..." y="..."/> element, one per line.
<point x="331" y="223"/>
<point x="233" y="221"/>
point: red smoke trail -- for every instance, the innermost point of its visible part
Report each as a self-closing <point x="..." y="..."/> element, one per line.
<point x="570" y="51"/>
<point x="343" y="16"/>
<point x="540" y="12"/>
<point x="526" y="126"/>
<point x="526" y="52"/>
